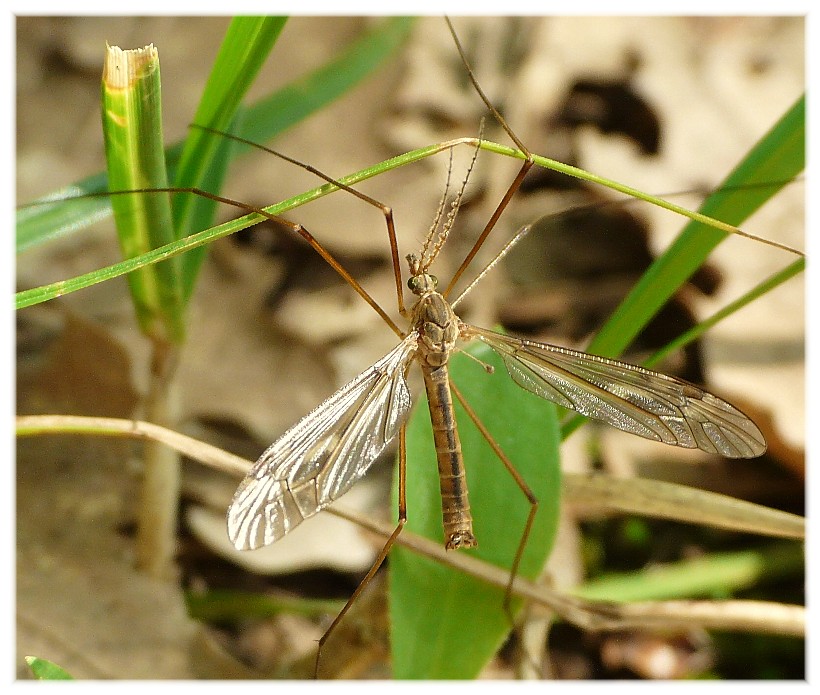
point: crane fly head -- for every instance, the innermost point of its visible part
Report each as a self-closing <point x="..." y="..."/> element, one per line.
<point x="420" y="282"/>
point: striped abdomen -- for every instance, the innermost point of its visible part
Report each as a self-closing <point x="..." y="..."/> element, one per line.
<point x="455" y="506"/>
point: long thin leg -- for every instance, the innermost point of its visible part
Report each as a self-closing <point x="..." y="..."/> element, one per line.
<point x="511" y="191"/>
<point x="492" y="264"/>
<point x="528" y="493"/>
<point x="531" y="498"/>
<point x="294" y="226"/>
<point x="514" y="186"/>
<point x="380" y="558"/>
<point x="386" y="210"/>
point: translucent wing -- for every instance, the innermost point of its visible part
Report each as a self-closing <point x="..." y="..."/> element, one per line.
<point x="322" y="455"/>
<point x="633" y="399"/>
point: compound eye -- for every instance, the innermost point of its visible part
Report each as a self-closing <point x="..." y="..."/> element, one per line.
<point x="423" y="282"/>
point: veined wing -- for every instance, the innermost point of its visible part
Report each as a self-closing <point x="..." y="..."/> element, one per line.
<point x="633" y="399"/>
<point x="322" y="455"/>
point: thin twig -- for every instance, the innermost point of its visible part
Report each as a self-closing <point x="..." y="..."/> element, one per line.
<point x="750" y="616"/>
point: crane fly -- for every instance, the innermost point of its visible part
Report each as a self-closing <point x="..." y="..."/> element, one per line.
<point x="318" y="459"/>
<point x="326" y="452"/>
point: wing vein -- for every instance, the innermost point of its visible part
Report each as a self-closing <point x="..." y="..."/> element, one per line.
<point x="324" y="454"/>
<point x="631" y="398"/>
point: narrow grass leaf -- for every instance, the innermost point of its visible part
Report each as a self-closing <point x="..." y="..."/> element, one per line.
<point x="205" y="157"/>
<point x="260" y="122"/>
<point x="663" y="500"/>
<point x="715" y="575"/>
<point x="762" y="288"/>
<point x="37" y="224"/>
<point x="37" y="295"/>
<point x="306" y="95"/>
<point x="45" y="670"/>
<point x="779" y="156"/>
<point x="132" y="128"/>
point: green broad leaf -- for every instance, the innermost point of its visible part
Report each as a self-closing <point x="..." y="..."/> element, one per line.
<point x="445" y="624"/>
<point x="132" y="128"/>
<point x="45" y="670"/>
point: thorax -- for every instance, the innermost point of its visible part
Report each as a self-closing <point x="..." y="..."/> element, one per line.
<point x="437" y="326"/>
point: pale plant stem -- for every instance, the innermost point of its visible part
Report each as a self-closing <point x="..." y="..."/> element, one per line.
<point x="750" y="616"/>
<point x="157" y="518"/>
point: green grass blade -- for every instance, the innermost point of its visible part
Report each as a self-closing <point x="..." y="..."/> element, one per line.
<point x="204" y="160"/>
<point x="779" y="156"/>
<point x="41" y="223"/>
<point x="260" y="122"/>
<point x="715" y="574"/>
<point x="247" y="44"/>
<point x="132" y="128"/>
<point x="444" y="623"/>
<point x="40" y="294"/>
<point x="37" y="295"/>
<point x="762" y="288"/>
<point x="759" y="290"/>
<point x="306" y="95"/>
<point x="45" y="670"/>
